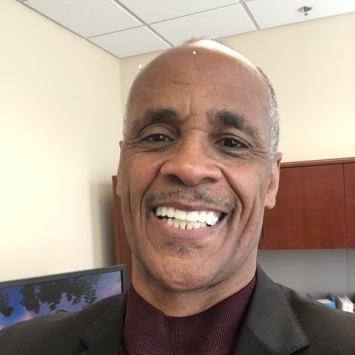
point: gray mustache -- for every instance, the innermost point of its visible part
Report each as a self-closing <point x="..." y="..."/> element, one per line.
<point x="189" y="195"/>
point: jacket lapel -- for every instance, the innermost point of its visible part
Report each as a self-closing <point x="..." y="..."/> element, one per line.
<point x="269" y="326"/>
<point x="104" y="335"/>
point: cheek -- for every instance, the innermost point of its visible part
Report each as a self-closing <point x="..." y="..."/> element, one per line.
<point x="137" y="175"/>
<point x="250" y="185"/>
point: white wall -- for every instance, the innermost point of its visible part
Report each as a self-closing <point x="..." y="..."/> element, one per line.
<point x="60" y="125"/>
<point x="311" y="65"/>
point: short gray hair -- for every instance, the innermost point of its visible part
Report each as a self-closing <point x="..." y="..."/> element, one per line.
<point x="274" y="116"/>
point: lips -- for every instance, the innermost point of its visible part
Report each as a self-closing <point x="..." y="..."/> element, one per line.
<point x="187" y="219"/>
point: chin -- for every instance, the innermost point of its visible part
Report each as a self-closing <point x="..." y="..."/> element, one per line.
<point x="181" y="267"/>
<point x="184" y="279"/>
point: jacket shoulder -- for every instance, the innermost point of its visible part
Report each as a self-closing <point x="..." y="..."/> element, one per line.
<point x="57" y="334"/>
<point x="327" y="329"/>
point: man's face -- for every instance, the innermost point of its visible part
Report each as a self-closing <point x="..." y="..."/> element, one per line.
<point x="195" y="171"/>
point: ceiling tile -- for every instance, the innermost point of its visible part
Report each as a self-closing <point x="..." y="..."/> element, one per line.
<point x="222" y="22"/>
<point x="86" y="18"/>
<point x="272" y="13"/>
<point x="159" y="10"/>
<point x="130" y="42"/>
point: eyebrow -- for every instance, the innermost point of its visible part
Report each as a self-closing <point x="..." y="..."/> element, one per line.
<point x="152" y="116"/>
<point x="225" y="117"/>
<point x="235" y="120"/>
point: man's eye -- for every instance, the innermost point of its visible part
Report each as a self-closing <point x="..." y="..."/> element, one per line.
<point x="158" y="137"/>
<point x="233" y="143"/>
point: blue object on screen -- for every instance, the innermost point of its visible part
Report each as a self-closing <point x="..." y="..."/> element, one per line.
<point x="29" y="298"/>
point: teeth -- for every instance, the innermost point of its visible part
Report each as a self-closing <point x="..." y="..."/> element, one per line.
<point x="187" y="219"/>
<point x="176" y="223"/>
<point x="162" y="211"/>
<point x="202" y="216"/>
<point x="189" y="225"/>
<point x="183" y="224"/>
<point x="192" y="216"/>
<point x="211" y="218"/>
<point x="180" y="214"/>
<point x="196" y="225"/>
<point x="171" y="212"/>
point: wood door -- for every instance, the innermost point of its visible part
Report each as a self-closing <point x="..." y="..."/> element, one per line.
<point x="309" y="211"/>
<point x="349" y="178"/>
<point x="122" y="250"/>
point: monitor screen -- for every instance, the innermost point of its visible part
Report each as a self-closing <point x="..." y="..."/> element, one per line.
<point x="29" y="298"/>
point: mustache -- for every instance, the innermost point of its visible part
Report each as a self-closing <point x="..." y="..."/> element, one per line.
<point x="189" y="195"/>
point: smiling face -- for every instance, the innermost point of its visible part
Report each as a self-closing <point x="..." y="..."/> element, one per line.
<point x="195" y="170"/>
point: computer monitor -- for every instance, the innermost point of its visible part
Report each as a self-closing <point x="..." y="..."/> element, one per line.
<point x="29" y="298"/>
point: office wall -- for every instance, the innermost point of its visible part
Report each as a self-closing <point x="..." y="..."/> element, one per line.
<point x="317" y="272"/>
<point x="60" y="126"/>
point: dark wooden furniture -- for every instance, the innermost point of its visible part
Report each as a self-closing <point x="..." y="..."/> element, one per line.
<point x="315" y="209"/>
<point x="349" y="177"/>
<point x="310" y="209"/>
<point x="122" y="250"/>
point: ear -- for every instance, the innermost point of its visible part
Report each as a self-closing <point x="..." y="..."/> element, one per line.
<point x="119" y="174"/>
<point x="270" y="199"/>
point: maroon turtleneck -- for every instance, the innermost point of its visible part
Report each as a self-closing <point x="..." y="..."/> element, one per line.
<point x="147" y="331"/>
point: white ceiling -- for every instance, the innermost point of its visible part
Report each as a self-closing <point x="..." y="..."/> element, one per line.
<point x="131" y="27"/>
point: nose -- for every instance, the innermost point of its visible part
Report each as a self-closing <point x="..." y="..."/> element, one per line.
<point x="191" y="161"/>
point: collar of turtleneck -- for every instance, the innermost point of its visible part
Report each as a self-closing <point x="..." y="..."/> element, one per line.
<point x="148" y="331"/>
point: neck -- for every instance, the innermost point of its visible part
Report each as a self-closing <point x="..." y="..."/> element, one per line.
<point x="183" y="303"/>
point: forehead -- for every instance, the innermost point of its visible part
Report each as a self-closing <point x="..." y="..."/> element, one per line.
<point x="200" y="78"/>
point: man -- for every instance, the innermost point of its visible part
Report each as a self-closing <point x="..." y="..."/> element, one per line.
<point x="198" y="165"/>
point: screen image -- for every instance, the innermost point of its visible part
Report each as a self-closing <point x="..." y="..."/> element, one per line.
<point x="29" y="298"/>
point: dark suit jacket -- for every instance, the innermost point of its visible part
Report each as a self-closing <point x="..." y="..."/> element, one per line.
<point x="278" y="321"/>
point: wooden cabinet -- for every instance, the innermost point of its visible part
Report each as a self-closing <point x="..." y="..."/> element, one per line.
<point x="122" y="250"/>
<point x="349" y="178"/>
<point x="315" y="209"/>
<point x="310" y="209"/>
